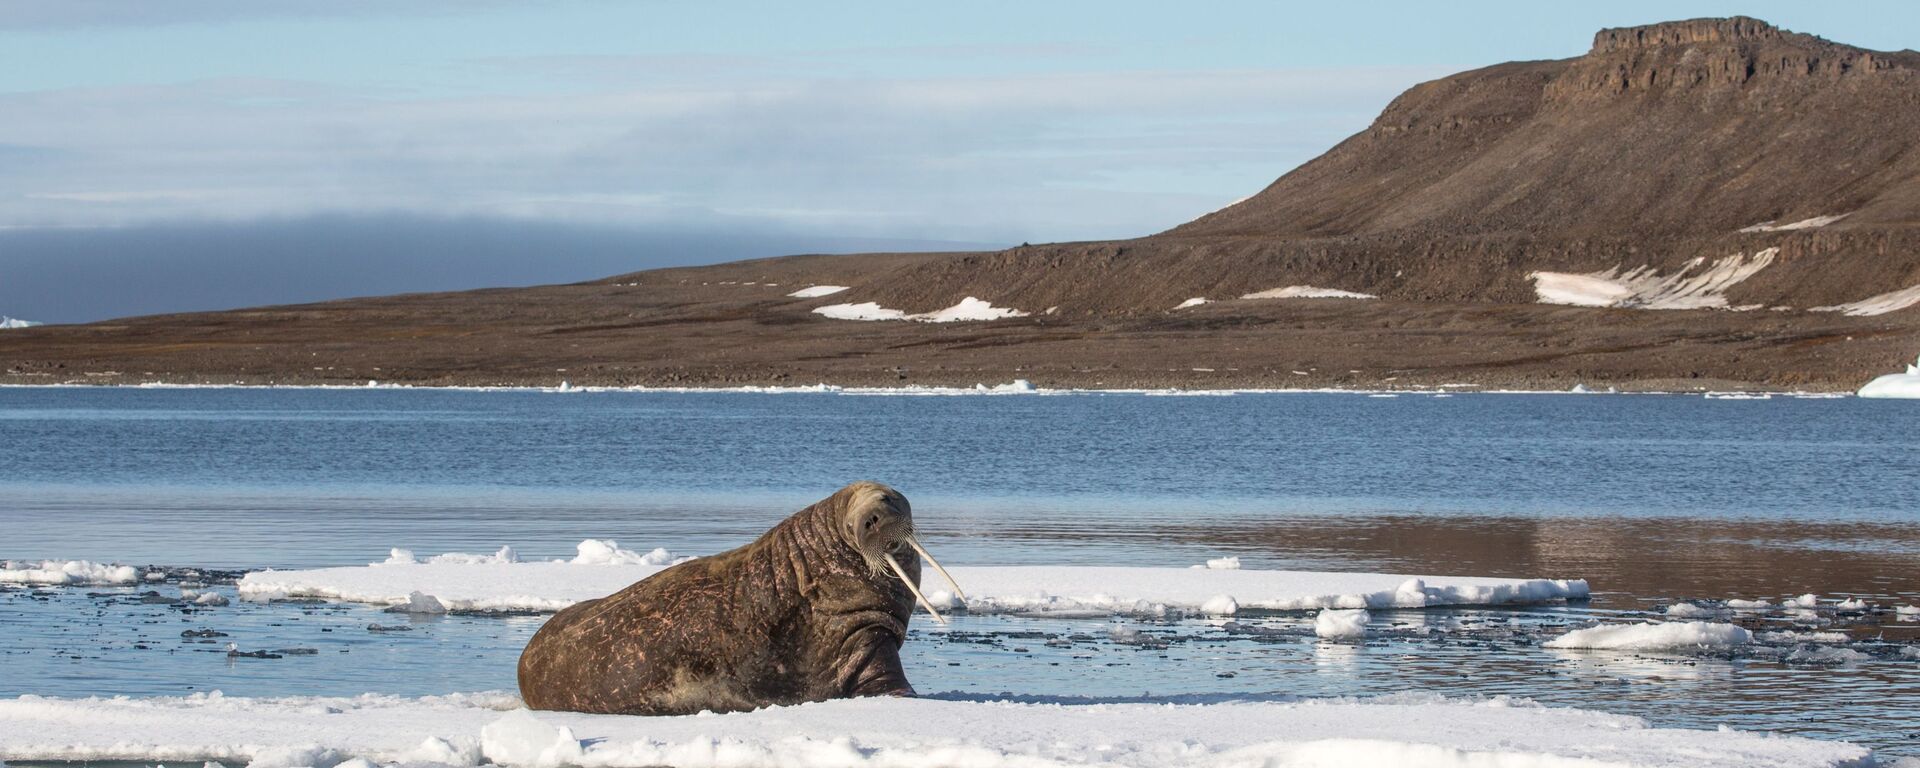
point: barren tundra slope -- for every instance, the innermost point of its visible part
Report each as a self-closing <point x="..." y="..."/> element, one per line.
<point x="1699" y="204"/>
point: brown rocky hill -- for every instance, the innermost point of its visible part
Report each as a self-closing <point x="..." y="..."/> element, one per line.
<point x="1726" y="203"/>
<point x="1658" y="146"/>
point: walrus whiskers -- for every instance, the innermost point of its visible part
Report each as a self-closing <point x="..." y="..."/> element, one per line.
<point x="915" y="543"/>
<point x="915" y="589"/>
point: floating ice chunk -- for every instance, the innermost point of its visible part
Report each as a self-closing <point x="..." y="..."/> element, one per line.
<point x="66" y="573"/>
<point x="548" y="586"/>
<point x="1813" y="223"/>
<point x="1795" y="638"/>
<point x="1650" y="636"/>
<point x="1895" y="385"/>
<point x="1644" y="288"/>
<point x="399" y="557"/>
<point x="1307" y="292"/>
<point x="817" y="291"/>
<point x="9" y="323"/>
<point x="1220" y="605"/>
<point x="1337" y="624"/>
<point x="1690" y="611"/>
<point x="1809" y="654"/>
<point x="1748" y="605"/>
<point x="1907" y="611"/>
<point x="1853" y="604"/>
<point x="420" y="603"/>
<point x="211" y="599"/>
<point x="1193" y="302"/>
<point x="608" y="552"/>
<point x="1879" y="304"/>
<point x="1808" y="600"/>
<point x="1224" y="563"/>
<point x="1017" y="386"/>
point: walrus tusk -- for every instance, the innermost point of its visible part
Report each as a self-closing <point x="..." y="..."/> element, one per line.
<point x="915" y="543"/>
<point x="911" y="587"/>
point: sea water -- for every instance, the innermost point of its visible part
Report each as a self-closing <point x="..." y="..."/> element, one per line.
<point x="1653" y="498"/>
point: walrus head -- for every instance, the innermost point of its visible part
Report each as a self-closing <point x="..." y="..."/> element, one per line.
<point x="878" y="524"/>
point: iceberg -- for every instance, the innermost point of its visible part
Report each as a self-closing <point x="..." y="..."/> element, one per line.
<point x="1895" y="385"/>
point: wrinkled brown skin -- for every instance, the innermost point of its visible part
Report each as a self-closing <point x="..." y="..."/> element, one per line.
<point x="798" y="615"/>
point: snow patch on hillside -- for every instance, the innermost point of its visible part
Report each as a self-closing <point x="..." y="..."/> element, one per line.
<point x="817" y="291"/>
<point x="1891" y="301"/>
<point x="1193" y="302"/>
<point x="1813" y="223"/>
<point x="969" y="309"/>
<point x="14" y="322"/>
<point x="1307" y="292"/>
<point x="1698" y="284"/>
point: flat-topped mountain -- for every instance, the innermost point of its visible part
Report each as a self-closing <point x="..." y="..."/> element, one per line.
<point x="1713" y="202"/>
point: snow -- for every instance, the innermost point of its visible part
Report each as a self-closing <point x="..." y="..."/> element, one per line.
<point x="1307" y="292"/>
<point x="66" y="573"/>
<point x="1690" y="611"/>
<point x="1337" y="624"/>
<point x="817" y="291"/>
<point x="1193" y="302"/>
<point x="863" y="311"/>
<point x="1224" y="563"/>
<point x="7" y="323"/>
<point x="1644" y="288"/>
<point x="1813" y="223"/>
<point x="1895" y="385"/>
<point x="1220" y="605"/>
<point x="1891" y="301"/>
<point x="968" y="309"/>
<point x="1411" y="730"/>
<point x="608" y="552"/>
<point x="1651" y="636"/>
<point x="462" y="585"/>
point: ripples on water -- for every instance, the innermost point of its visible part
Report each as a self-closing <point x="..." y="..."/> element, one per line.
<point x="1653" y="498"/>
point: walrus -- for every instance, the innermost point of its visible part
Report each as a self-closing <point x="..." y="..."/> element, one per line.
<point x="814" y="609"/>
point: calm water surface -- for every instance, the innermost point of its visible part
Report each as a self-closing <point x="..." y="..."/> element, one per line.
<point x="1652" y="498"/>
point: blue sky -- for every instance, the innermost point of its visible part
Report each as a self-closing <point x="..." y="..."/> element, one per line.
<point x="980" y="122"/>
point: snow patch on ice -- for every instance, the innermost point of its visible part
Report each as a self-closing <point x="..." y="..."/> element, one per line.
<point x="817" y="291"/>
<point x="1220" y="605"/>
<point x="66" y="573"/>
<point x="1891" y="301"/>
<point x="1651" y="636"/>
<point x="1697" y="285"/>
<point x="1424" y="731"/>
<point x="1224" y="563"/>
<point x="1813" y="223"/>
<point x="969" y="309"/>
<point x="1307" y="292"/>
<point x="1335" y="624"/>
<point x="1895" y="385"/>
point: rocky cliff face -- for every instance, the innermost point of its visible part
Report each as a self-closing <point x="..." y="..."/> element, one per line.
<point x="1663" y="144"/>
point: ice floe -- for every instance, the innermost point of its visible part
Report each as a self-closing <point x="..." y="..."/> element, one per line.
<point x="1895" y="385"/>
<point x="1339" y="624"/>
<point x="1813" y="223"/>
<point x="1307" y="292"/>
<point x="1698" y="285"/>
<point x="969" y="309"/>
<point x="463" y="585"/>
<point x="1652" y="636"/>
<point x="66" y="573"/>
<point x="817" y="291"/>
<point x="1891" y="301"/>
<point x="14" y="322"/>
<point x="471" y="729"/>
